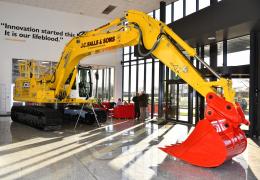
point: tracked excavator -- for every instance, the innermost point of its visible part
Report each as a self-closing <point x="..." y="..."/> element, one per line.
<point x="215" y="139"/>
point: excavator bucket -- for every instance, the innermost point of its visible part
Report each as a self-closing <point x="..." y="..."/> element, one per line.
<point x="215" y="139"/>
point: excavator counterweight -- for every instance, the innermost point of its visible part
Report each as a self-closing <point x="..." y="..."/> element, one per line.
<point x="215" y="139"/>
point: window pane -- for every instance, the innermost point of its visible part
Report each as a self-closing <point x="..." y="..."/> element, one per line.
<point x="156" y="87"/>
<point x="99" y="83"/>
<point x="149" y="60"/>
<point x="178" y="10"/>
<point x="132" y="49"/>
<point x="238" y="51"/>
<point x="183" y="102"/>
<point x="241" y="87"/>
<point x="148" y="78"/>
<point x="238" y="58"/>
<point x="204" y="3"/>
<point x="112" y="80"/>
<point x="126" y="57"/>
<point x="106" y="80"/>
<point x="140" y="77"/>
<point x="168" y="14"/>
<point x="133" y="57"/>
<point x="126" y="78"/>
<point x="190" y="6"/>
<point x="150" y="14"/>
<point x="157" y="14"/>
<point x="149" y="83"/>
<point x="133" y="79"/>
<point x="220" y="54"/>
<point x="94" y="84"/>
<point x="126" y="50"/>
<point x="133" y="62"/>
<point x="206" y="54"/>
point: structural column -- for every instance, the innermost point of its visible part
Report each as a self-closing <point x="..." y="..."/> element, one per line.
<point x="254" y="98"/>
<point x="190" y="101"/>
<point x="152" y="90"/>
<point x="213" y="2"/>
<point x="201" y="98"/>
<point x="197" y="95"/>
<point x="161" y="66"/>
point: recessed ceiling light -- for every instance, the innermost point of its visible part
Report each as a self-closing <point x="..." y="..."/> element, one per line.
<point x="211" y="38"/>
<point x="247" y="47"/>
<point x="45" y="62"/>
<point x="109" y="9"/>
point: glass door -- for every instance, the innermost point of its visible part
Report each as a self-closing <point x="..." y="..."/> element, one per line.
<point x="177" y="101"/>
<point x="172" y="103"/>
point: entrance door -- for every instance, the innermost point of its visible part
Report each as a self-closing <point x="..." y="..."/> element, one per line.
<point x="177" y="101"/>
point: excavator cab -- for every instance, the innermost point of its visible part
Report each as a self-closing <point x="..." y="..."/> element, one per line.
<point x="82" y="86"/>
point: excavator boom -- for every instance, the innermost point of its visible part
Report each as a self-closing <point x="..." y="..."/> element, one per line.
<point x="215" y="139"/>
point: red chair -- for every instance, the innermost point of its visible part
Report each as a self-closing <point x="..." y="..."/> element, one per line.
<point x="106" y="105"/>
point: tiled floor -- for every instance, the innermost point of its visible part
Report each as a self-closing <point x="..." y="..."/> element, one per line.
<point x="122" y="149"/>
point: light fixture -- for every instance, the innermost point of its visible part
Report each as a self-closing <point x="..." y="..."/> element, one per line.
<point x="45" y="62"/>
<point x="247" y="47"/>
<point x="211" y="38"/>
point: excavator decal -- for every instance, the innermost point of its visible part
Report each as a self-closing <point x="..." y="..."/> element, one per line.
<point x="215" y="139"/>
<point x="98" y="42"/>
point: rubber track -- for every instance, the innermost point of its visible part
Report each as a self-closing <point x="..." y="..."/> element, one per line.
<point x="37" y="116"/>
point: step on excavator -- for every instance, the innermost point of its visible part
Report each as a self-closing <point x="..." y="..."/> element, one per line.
<point x="215" y="139"/>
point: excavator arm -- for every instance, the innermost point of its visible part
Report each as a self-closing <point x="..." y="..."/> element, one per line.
<point x="138" y="28"/>
<point x="217" y="137"/>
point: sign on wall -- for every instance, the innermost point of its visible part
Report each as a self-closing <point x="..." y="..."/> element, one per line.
<point x="14" y="32"/>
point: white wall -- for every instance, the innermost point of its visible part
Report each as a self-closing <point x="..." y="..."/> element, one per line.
<point x="13" y="47"/>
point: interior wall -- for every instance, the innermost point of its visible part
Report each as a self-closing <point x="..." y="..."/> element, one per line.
<point x="12" y="46"/>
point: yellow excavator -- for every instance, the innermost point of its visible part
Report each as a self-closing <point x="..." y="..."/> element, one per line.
<point x="215" y="139"/>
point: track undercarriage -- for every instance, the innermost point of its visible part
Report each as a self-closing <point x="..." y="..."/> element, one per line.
<point x="47" y="118"/>
<point x="37" y="116"/>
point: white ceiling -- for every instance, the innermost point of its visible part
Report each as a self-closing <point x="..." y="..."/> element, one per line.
<point x="93" y="7"/>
